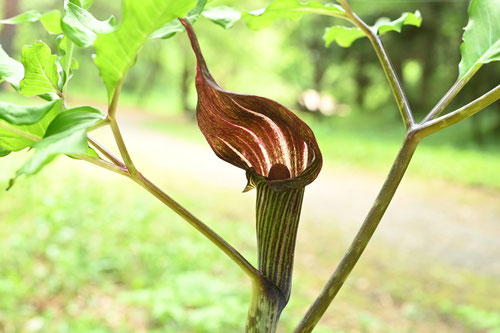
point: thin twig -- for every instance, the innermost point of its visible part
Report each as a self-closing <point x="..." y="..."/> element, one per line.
<point x="392" y="77"/>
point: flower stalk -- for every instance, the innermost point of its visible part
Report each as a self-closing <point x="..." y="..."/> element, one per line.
<point x="362" y="238"/>
<point x="280" y="155"/>
<point x="278" y="215"/>
<point x="265" y="307"/>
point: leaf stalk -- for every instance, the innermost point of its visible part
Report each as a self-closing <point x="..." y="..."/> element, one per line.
<point x="458" y="115"/>
<point x="362" y="238"/>
<point x="231" y="252"/>
<point x="383" y="56"/>
<point x="117" y="133"/>
<point x="449" y="96"/>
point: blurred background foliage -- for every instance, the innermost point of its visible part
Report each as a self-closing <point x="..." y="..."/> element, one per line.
<point x="127" y="279"/>
<point x="291" y="58"/>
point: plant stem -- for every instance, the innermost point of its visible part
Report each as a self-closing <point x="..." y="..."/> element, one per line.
<point x="117" y="133"/>
<point x="265" y="307"/>
<point x="449" y="96"/>
<point x="106" y="152"/>
<point x="103" y="164"/>
<point x="122" y="147"/>
<point x="71" y="47"/>
<point x="454" y="117"/>
<point x="102" y="123"/>
<point x="363" y="236"/>
<point x="231" y="252"/>
<point x="113" y="105"/>
<point x="278" y="215"/>
<point x="137" y="177"/>
<point x="392" y="77"/>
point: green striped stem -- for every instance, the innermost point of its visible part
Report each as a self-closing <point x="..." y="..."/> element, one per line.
<point x="265" y="307"/>
<point x="278" y="215"/>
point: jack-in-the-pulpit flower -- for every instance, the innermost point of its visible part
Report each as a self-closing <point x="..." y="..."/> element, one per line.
<point x="281" y="156"/>
<point x="254" y="132"/>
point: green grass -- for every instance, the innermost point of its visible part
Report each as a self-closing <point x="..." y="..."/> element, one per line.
<point x="86" y="251"/>
<point x="76" y="261"/>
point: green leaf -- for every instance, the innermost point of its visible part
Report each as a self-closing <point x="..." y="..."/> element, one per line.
<point x="174" y="26"/>
<point x="11" y="70"/>
<point x="67" y="134"/>
<point x="345" y="36"/>
<point x="81" y="27"/>
<point x="223" y="15"/>
<point x="24" y="114"/>
<point x="62" y="44"/>
<point x="62" y="48"/>
<point x="91" y="152"/>
<point x="481" y="37"/>
<point x="116" y="52"/>
<point x="51" y="21"/>
<point x="37" y="120"/>
<point x="85" y="4"/>
<point x="40" y="68"/>
<point x="290" y="9"/>
<point x="384" y="24"/>
<point x="23" y="18"/>
<point x="4" y="152"/>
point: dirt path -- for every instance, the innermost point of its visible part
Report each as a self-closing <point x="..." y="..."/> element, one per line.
<point x="440" y="221"/>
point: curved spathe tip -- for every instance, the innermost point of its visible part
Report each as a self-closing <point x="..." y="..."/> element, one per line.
<point x="254" y="133"/>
